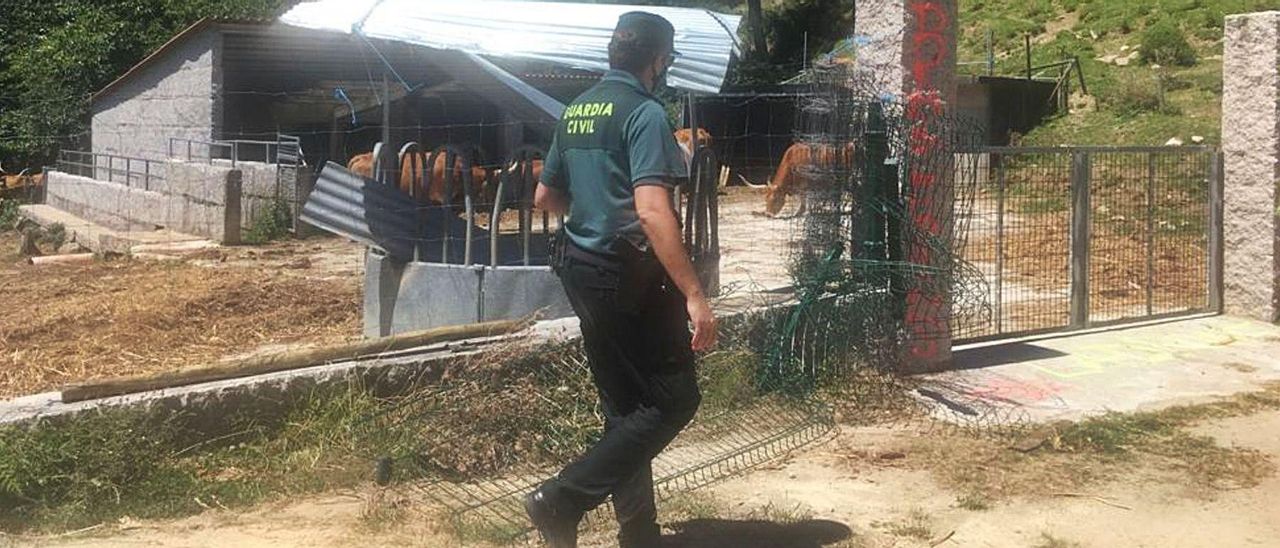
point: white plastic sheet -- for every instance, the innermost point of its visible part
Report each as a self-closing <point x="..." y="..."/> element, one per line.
<point x="573" y="35"/>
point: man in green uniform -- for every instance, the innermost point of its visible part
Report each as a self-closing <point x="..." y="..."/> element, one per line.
<point x="612" y="168"/>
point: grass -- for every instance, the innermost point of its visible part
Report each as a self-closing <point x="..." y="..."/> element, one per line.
<point x="105" y="465"/>
<point x="1075" y="455"/>
<point x="975" y="502"/>
<point x="1089" y="29"/>
<point x="917" y="524"/>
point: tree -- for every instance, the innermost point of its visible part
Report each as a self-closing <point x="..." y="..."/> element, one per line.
<point x="755" y="21"/>
<point x="55" y="53"/>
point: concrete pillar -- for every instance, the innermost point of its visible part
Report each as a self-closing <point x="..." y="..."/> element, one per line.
<point x="907" y="49"/>
<point x="231" y="204"/>
<point x="1251" y="149"/>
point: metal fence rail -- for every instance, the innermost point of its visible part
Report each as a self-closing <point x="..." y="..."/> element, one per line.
<point x="234" y="150"/>
<point x="1075" y="237"/>
<point x="126" y="170"/>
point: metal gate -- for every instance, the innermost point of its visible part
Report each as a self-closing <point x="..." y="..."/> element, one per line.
<point x="1077" y="237"/>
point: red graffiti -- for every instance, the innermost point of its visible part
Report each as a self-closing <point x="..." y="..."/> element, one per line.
<point x="927" y="309"/>
<point x="1010" y="389"/>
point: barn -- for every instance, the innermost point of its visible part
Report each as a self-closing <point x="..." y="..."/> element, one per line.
<point x="221" y="81"/>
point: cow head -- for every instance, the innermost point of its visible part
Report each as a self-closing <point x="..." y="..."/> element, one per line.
<point x="774" y="198"/>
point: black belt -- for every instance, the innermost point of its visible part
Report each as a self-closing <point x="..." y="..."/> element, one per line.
<point x="575" y="252"/>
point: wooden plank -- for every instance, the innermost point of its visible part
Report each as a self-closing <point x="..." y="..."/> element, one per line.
<point x="286" y="361"/>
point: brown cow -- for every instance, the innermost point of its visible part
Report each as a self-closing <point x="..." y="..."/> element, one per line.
<point x="411" y="177"/>
<point x="787" y="181"/>
<point x="684" y="138"/>
<point x="15" y="185"/>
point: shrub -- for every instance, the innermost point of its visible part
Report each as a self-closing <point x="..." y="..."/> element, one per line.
<point x="54" y="235"/>
<point x="272" y="224"/>
<point x="1137" y="95"/>
<point x="1165" y="44"/>
<point x="8" y="214"/>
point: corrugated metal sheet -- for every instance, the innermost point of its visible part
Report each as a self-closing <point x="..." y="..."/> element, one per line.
<point x="368" y="212"/>
<point x="574" y="35"/>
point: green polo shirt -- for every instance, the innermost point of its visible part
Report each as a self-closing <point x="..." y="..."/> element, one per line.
<point x="611" y="139"/>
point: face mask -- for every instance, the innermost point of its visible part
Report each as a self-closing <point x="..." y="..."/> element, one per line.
<point x="660" y="80"/>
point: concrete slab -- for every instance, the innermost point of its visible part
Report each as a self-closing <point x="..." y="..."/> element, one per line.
<point x="101" y="239"/>
<point x="1124" y="369"/>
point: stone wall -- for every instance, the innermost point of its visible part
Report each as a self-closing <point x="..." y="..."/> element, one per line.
<point x="1251" y="150"/>
<point x="188" y="200"/>
<point x="173" y="97"/>
<point x="259" y="190"/>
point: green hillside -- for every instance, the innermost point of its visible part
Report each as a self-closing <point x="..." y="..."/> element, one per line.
<point x="1165" y="91"/>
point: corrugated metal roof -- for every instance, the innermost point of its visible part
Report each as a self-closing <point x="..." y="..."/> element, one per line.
<point x="574" y="35"/>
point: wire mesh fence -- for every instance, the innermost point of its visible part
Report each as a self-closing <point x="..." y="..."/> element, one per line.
<point x="1071" y="237"/>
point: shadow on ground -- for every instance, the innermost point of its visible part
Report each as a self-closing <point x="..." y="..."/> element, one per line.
<point x="726" y="533"/>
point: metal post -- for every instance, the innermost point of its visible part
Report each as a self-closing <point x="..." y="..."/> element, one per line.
<point x="693" y="129"/>
<point x="1000" y="197"/>
<point x="869" y="230"/>
<point x="1028" y="37"/>
<point x="1151" y="232"/>
<point x="991" y="53"/>
<point x="386" y="123"/>
<point x="1216" y="240"/>
<point x="111" y="169"/>
<point x="188" y="150"/>
<point x="235" y="153"/>
<point x="146" y="176"/>
<point x="1080" y="239"/>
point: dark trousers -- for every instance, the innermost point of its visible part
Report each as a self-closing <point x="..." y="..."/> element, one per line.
<point x="638" y="350"/>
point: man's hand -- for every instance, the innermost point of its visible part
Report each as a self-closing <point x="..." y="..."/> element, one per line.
<point x="550" y="200"/>
<point x="653" y="204"/>
<point x="704" y="323"/>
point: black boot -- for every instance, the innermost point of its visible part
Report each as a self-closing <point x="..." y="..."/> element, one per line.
<point x="558" y="526"/>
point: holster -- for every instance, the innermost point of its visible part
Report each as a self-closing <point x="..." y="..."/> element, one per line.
<point x="556" y="243"/>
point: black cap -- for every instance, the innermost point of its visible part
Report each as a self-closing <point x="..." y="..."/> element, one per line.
<point x="651" y="31"/>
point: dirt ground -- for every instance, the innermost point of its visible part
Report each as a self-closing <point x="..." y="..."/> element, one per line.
<point x="112" y="317"/>
<point x="862" y="487"/>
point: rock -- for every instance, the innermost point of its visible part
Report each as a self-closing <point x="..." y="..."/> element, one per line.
<point x="1155" y="66"/>
<point x="1093" y="34"/>
<point x="1197" y="139"/>
<point x="1108" y="59"/>
<point x="70" y="248"/>
<point x="1124" y="48"/>
<point x="1122" y="62"/>
<point x="1174" y="142"/>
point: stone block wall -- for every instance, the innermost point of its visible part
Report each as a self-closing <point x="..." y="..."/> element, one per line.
<point x="1251" y="150"/>
<point x="187" y="200"/>
<point x="173" y="97"/>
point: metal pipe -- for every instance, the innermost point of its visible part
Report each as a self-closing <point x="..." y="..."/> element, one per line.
<point x="1151" y="231"/>
<point x="494" y="225"/>
<point x="1000" y="197"/>
<point x="469" y="212"/>
<point x="1216" y="234"/>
